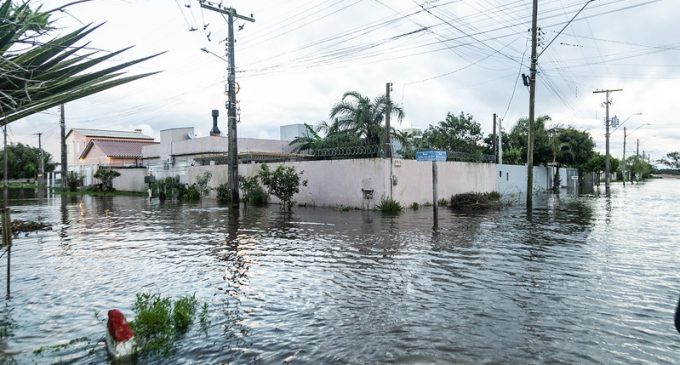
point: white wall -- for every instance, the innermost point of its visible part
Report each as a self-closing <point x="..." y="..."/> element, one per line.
<point x="340" y="182"/>
<point x="130" y="179"/>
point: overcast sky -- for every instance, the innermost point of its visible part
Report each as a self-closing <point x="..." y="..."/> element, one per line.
<point x="299" y="56"/>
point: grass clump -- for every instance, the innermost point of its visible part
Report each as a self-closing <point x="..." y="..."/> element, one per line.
<point x="159" y="322"/>
<point x="476" y="201"/>
<point x="389" y="206"/>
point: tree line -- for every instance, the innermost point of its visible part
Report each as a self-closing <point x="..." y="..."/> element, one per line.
<point x="358" y="121"/>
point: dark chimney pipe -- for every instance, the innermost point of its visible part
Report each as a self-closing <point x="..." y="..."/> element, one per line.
<point x="215" y="131"/>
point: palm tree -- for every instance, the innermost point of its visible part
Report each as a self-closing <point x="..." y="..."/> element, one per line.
<point x="36" y="75"/>
<point x="362" y="117"/>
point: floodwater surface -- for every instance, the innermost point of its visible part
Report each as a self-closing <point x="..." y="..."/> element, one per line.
<point x="591" y="280"/>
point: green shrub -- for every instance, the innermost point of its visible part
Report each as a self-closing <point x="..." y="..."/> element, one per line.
<point x="415" y="206"/>
<point x="191" y="194"/>
<point x="475" y="201"/>
<point x="223" y="193"/>
<point x="202" y="184"/>
<point x="73" y="181"/>
<point x="442" y="202"/>
<point x="158" y="322"/>
<point x="252" y="192"/>
<point x="389" y="206"/>
<point x="284" y="182"/>
<point x="106" y="176"/>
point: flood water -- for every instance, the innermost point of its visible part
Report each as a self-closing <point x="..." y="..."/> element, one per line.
<point x="591" y="280"/>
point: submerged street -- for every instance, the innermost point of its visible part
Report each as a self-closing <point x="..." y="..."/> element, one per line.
<point x="590" y="280"/>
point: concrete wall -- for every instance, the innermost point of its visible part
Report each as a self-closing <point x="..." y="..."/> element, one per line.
<point x="130" y="179"/>
<point x="511" y="180"/>
<point x="343" y="182"/>
<point x="414" y="180"/>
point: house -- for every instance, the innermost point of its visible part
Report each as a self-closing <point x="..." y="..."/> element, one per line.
<point x="180" y="149"/>
<point x="87" y="149"/>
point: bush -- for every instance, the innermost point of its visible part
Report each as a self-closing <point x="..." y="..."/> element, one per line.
<point x="252" y="192"/>
<point x="476" y="201"/>
<point x="158" y="322"/>
<point x="284" y="182"/>
<point x="73" y="181"/>
<point x="415" y="206"/>
<point x="442" y="202"/>
<point x="169" y="187"/>
<point x="191" y="194"/>
<point x="389" y="206"/>
<point x="201" y="184"/>
<point x="106" y="176"/>
<point x="223" y="193"/>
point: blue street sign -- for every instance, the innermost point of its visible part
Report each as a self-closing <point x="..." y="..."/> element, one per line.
<point x="430" y="155"/>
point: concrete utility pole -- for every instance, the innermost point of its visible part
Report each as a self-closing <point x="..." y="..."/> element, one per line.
<point x="231" y="92"/>
<point x="495" y="141"/>
<point x="41" y="168"/>
<point x="4" y="190"/>
<point x="607" y="124"/>
<point x="532" y="104"/>
<point x="388" y="142"/>
<point x="500" y="141"/>
<point x="388" y="111"/>
<point x="64" y="160"/>
<point x="624" y="156"/>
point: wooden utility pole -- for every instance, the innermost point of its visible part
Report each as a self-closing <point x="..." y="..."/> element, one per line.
<point x="232" y="140"/>
<point x="64" y="160"/>
<point x="607" y="123"/>
<point x="532" y="104"/>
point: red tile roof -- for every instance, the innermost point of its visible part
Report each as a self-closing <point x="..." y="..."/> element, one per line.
<point x="117" y="149"/>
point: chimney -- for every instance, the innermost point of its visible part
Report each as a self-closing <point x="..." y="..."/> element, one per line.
<point x="138" y="131"/>
<point x="215" y="131"/>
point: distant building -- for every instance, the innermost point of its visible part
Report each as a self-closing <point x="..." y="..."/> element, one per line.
<point x="179" y="149"/>
<point x="87" y="149"/>
<point x="291" y="131"/>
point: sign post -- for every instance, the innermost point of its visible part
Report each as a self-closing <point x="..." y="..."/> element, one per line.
<point x="433" y="156"/>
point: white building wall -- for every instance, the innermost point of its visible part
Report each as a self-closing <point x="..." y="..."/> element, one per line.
<point x="130" y="179"/>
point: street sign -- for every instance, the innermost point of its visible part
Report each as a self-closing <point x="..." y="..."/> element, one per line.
<point x="575" y="177"/>
<point x="430" y="155"/>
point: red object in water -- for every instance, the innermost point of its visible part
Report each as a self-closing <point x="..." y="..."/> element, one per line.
<point x="118" y="326"/>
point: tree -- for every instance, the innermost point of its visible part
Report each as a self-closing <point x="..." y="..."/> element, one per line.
<point x="40" y="70"/>
<point x="106" y="176"/>
<point x="459" y="133"/>
<point x="672" y="160"/>
<point x="284" y="182"/>
<point x="23" y="161"/>
<point x="362" y="117"/>
<point x="518" y="141"/>
<point x="202" y="184"/>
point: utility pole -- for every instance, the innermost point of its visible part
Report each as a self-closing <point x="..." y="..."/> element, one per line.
<point x="500" y="141"/>
<point x="637" y="154"/>
<point x="624" y="156"/>
<point x="4" y="190"/>
<point x="64" y="160"/>
<point x="495" y="142"/>
<point x="607" y="123"/>
<point x="532" y="104"/>
<point x="41" y="167"/>
<point x="388" y="143"/>
<point x="231" y="92"/>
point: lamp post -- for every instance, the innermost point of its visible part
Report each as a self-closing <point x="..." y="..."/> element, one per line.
<point x="623" y="166"/>
<point x="625" y="135"/>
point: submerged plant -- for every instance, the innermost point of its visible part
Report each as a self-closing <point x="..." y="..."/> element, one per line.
<point x="158" y="322"/>
<point x="389" y="206"/>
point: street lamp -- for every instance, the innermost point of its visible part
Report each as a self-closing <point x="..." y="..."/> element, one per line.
<point x="624" y="122"/>
<point x="625" y="135"/>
